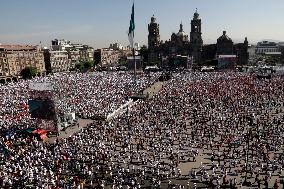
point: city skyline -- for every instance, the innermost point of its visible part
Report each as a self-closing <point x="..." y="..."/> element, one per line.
<point x="99" y="23"/>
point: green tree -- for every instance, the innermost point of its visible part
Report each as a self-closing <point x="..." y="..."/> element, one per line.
<point x="79" y="66"/>
<point x="84" y="65"/>
<point x="88" y="65"/>
<point x="29" y="72"/>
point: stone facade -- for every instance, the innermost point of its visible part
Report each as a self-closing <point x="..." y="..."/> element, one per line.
<point x="179" y="44"/>
<point x="107" y="56"/>
<point x="241" y="50"/>
<point x="224" y="45"/>
<point x="57" y="61"/>
<point x="76" y="52"/>
<point x="63" y="55"/>
<point x="14" y="58"/>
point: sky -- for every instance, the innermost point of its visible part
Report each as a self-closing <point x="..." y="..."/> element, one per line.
<point x="101" y="22"/>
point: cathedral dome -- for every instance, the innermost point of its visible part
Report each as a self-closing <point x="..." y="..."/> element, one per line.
<point x="181" y="33"/>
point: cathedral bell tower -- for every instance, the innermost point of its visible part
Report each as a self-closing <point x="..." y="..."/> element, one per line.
<point x="153" y="41"/>
<point x="154" y="34"/>
<point x="196" y="41"/>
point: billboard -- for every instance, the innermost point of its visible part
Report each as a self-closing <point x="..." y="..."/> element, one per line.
<point x="42" y="109"/>
<point x="42" y="105"/>
<point x="227" y="61"/>
<point x="41" y="86"/>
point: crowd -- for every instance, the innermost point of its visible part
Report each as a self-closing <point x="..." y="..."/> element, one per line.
<point x="89" y="95"/>
<point x="212" y="129"/>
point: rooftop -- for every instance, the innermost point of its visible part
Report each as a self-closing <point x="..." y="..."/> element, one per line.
<point x="18" y="47"/>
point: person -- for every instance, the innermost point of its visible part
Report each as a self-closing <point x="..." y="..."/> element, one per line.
<point x="275" y="186"/>
<point x="266" y="182"/>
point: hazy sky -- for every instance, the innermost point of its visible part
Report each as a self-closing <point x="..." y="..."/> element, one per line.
<point x="101" y="22"/>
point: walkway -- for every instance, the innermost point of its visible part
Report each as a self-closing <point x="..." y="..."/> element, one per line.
<point x="71" y="130"/>
<point x="154" y="89"/>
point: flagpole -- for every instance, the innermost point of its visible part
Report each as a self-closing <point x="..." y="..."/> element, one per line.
<point x="131" y="39"/>
<point x="133" y="52"/>
<point x="134" y="59"/>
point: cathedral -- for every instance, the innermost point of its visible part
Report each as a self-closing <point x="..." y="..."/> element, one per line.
<point x="182" y="44"/>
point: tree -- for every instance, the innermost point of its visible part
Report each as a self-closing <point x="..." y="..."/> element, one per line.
<point x="84" y="65"/>
<point x="88" y="65"/>
<point x="29" y="72"/>
<point x="79" y="66"/>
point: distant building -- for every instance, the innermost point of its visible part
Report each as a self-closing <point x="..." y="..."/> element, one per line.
<point x="177" y="45"/>
<point x="281" y="47"/>
<point x="76" y="52"/>
<point x="106" y="56"/>
<point x="241" y="51"/>
<point x="14" y="58"/>
<point x="116" y="46"/>
<point x="180" y="44"/>
<point x="63" y="55"/>
<point x="57" y="61"/>
<point x="224" y="45"/>
<point x="266" y="46"/>
<point x="208" y="52"/>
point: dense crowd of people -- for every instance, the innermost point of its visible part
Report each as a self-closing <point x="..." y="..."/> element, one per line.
<point x="217" y="129"/>
<point x="88" y="95"/>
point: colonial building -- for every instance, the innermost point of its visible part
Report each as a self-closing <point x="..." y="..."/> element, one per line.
<point x="63" y="55"/>
<point x="57" y="61"/>
<point x="224" y="45"/>
<point x="14" y="58"/>
<point x="180" y="44"/>
<point x="107" y="56"/>
<point x="76" y="52"/>
<point x="177" y="45"/>
<point x="241" y="51"/>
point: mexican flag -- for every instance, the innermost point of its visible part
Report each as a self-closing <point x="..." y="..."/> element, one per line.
<point x="131" y="28"/>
